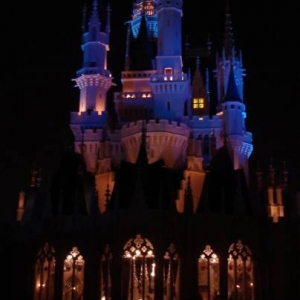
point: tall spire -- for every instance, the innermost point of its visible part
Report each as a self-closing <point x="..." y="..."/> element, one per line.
<point x="228" y="34"/>
<point x="94" y="19"/>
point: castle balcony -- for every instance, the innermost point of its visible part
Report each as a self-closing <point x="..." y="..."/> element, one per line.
<point x="168" y="77"/>
<point x="133" y="95"/>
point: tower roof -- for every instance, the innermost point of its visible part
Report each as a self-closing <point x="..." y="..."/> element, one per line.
<point x="232" y="93"/>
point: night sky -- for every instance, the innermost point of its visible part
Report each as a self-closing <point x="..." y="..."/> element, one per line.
<point x="41" y="54"/>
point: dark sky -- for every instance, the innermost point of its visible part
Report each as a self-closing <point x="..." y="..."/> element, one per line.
<point x="41" y="53"/>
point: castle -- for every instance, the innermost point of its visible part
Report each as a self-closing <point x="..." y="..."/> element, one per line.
<point x="152" y="199"/>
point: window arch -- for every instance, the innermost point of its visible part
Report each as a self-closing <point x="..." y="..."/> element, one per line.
<point x="208" y="274"/>
<point x="45" y="273"/>
<point x="105" y="274"/>
<point x="171" y="273"/>
<point x="240" y="272"/>
<point x="138" y="269"/>
<point x="73" y="277"/>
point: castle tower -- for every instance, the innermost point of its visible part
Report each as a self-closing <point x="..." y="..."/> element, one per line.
<point x="170" y="85"/>
<point x="223" y="63"/>
<point x="234" y="113"/>
<point x="93" y="80"/>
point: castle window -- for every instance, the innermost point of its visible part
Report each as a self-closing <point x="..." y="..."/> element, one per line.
<point x="105" y="274"/>
<point x="168" y="105"/>
<point x="208" y="274"/>
<point x="171" y="273"/>
<point x="168" y="71"/>
<point x="73" y="276"/>
<point x="240" y="272"/>
<point x="45" y="273"/>
<point x="138" y="269"/>
<point x="198" y="103"/>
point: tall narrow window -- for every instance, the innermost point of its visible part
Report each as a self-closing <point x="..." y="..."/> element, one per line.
<point x="171" y="274"/>
<point x="105" y="274"/>
<point x="73" y="278"/>
<point x="208" y="274"/>
<point x="45" y="274"/>
<point x="138" y="269"/>
<point x="240" y="272"/>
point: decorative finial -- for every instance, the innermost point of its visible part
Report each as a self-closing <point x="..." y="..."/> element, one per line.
<point x="198" y="62"/>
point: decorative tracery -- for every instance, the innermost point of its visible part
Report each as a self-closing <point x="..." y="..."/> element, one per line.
<point x="208" y="274"/>
<point x="170" y="275"/>
<point x="138" y="269"/>
<point x="240" y="272"/>
<point x="105" y="271"/>
<point x="45" y="273"/>
<point x="73" y="277"/>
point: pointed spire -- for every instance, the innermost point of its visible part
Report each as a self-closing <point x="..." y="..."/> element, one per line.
<point x="285" y="175"/>
<point x="228" y="34"/>
<point x="108" y="19"/>
<point x="208" y="45"/>
<point x="232" y="93"/>
<point x="142" y="159"/>
<point x="94" y="19"/>
<point x="34" y="175"/>
<point x="84" y="13"/>
<point x="127" y="49"/>
<point x="271" y="173"/>
<point x="188" y="199"/>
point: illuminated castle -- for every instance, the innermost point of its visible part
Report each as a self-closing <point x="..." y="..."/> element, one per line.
<point x="153" y="199"/>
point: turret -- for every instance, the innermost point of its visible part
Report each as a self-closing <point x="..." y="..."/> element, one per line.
<point x="94" y="80"/>
<point x="229" y="58"/>
<point x="234" y="113"/>
<point x="170" y="85"/>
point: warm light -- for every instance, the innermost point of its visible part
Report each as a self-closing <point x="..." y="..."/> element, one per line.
<point x="198" y="102"/>
<point x="153" y="270"/>
<point x="238" y="286"/>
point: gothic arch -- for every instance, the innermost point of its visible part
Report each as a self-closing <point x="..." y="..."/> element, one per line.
<point x="138" y="269"/>
<point x="44" y="273"/>
<point x="240" y="272"/>
<point x="73" y="276"/>
<point x="171" y="273"/>
<point x="208" y="274"/>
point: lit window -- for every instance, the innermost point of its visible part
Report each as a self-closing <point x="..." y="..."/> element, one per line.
<point x="208" y="274"/>
<point x="171" y="273"/>
<point x="73" y="277"/>
<point x="138" y="269"/>
<point x="198" y="103"/>
<point x="240" y="272"/>
<point x="105" y="278"/>
<point x="168" y="71"/>
<point x="45" y="274"/>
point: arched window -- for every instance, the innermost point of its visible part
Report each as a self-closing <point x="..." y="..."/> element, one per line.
<point x="105" y="274"/>
<point x="138" y="269"/>
<point x="45" y="273"/>
<point x="208" y="274"/>
<point x="73" y="278"/>
<point x="171" y="274"/>
<point x="240" y="272"/>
